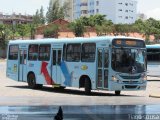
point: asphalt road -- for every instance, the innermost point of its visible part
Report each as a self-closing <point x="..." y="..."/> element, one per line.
<point x="18" y="102"/>
<point x="18" y="93"/>
<point x="95" y="112"/>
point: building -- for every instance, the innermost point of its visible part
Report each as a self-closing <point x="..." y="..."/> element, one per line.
<point x="119" y="11"/>
<point x="15" y="19"/>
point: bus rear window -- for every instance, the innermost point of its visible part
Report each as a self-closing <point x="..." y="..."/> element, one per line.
<point x="13" y="52"/>
<point x="153" y="55"/>
<point x="88" y="52"/>
<point x="33" y="52"/>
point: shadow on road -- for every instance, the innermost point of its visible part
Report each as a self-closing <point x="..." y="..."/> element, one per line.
<point x="71" y="91"/>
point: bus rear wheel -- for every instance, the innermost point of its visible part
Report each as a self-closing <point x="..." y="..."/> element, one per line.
<point x="117" y="92"/>
<point x="32" y="82"/>
<point x="87" y="86"/>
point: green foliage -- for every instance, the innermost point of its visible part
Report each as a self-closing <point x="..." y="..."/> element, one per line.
<point x="22" y="30"/>
<point x="51" y="31"/>
<point x="55" y="11"/>
<point x="77" y="27"/>
<point x="38" y="18"/>
<point x="2" y="36"/>
<point x="93" y="20"/>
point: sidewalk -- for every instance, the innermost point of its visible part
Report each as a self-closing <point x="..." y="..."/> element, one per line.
<point x="149" y="78"/>
<point x="156" y="94"/>
<point x="2" y="60"/>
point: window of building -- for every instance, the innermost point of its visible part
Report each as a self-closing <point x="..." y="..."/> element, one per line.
<point x="88" y="52"/>
<point x="97" y="10"/>
<point x="44" y="52"/>
<point x="97" y="3"/>
<point x="120" y="3"/>
<point x="84" y="4"/>
<point x="33" y="52"/>
<point x="126" y="4"/>
<point x="13" y="52"/>
<point x="131" y="4"/>
<point x="126" y="17"/>
<point x="84" y="12"/>
<point x="73" y="52"/>
<point x="126" y="10"/>
<point x="119" y="9"/>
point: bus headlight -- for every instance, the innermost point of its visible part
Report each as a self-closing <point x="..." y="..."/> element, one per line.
<point x="114" y="78"/>
<point x="144" y="77"/>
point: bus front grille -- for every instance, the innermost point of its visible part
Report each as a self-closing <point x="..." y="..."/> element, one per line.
<point x="130" y="82"/>
<point x="130" y="86"/>
<point x="130" y="77"/>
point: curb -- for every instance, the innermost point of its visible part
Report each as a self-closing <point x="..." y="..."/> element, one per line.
<point x="154" y="96"/>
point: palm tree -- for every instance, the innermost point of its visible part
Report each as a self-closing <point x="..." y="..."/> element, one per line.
<point x="77" y="27"/>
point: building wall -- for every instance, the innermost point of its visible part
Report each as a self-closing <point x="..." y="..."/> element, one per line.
<point x="119" y="11"/>
<point x="15" y="19"/>
<point x="76" y="9"/>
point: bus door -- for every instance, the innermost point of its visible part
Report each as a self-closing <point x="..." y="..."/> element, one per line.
<point x="22" y="64"/>
<point x="56" y="63"/>
<point x="102" y="72"/>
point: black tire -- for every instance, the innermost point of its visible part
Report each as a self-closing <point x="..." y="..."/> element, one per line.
<point x="117" y="92"/>
<point x="39" y="86"/>
<point x="60" y="88"/>
<point x="87" y="86"/>
<point x="32" y="81"/>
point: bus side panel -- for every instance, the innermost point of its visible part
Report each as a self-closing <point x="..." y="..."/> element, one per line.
<point x="12" y="69"/>
<point x="153" y="69"/>
<point x="77" y="69"/>
<point x="35" y="67"/>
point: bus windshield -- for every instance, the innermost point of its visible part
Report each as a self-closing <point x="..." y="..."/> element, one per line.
<point x="129" y="60"/>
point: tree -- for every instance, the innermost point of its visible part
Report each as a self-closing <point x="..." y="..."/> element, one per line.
<point x="32" y="30"/>
<point x="51" y="31"/>
<point x="39" y="18"/>
<point x="77" y="27"/>
<point x="2" y="36"/>
<point x="94" y="20"/>
<point x="22" y="30"/>
<point x="36" y="17"/>
<point x="55" y="11"/>
<point x="41" y="15"/>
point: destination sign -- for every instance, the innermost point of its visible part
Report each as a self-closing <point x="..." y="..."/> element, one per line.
<point x="128" y="43"/>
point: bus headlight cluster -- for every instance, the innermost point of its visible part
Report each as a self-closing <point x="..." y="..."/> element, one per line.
<point x="114" y="78"/>
<point x="144" y="77"/>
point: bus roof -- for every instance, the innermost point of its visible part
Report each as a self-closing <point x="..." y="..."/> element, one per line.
<point x="156" y="46"/>
<point x="71" y="40"/>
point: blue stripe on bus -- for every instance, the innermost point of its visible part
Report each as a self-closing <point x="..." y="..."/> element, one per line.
<point x="66" y="74"/>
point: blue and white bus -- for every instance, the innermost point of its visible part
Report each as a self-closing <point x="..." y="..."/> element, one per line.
<point x="153" y="60"/>
<point x="103" y="63"/>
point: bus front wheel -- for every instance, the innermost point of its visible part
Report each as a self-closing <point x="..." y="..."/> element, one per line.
<point x="32" y="81"/>
<point x="87" y="86"/>
<point x="117" y="92"/>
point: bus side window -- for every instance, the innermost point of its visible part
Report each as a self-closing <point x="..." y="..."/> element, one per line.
<point x="73" y="52"/>
<point x="88" y="52"/>
<point x="44" y="52"/>
<point x="33" y="52"/>
<point x="64" y="52"/>
<point x="13" y="52"/>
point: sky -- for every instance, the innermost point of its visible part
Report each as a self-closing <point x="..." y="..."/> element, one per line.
<point x="149" y="7"/>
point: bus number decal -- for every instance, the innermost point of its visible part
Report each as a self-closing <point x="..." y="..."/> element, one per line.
<point x="46" y="74"/>
<point x="15" y="68"/>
